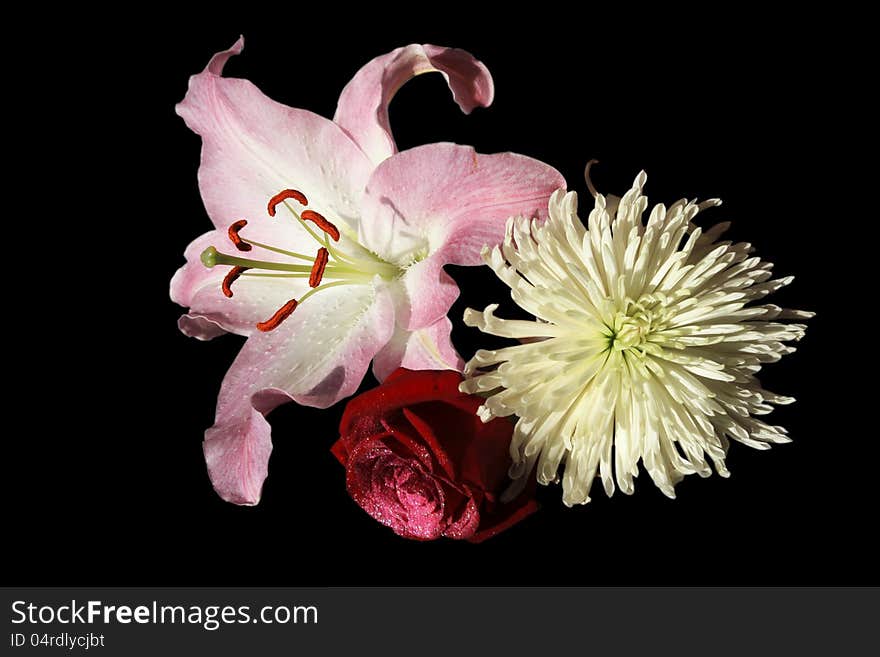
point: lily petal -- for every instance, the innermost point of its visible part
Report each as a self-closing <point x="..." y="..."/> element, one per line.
<point x="200" y="328"/>
<point x="253" y="147"/>
<point x="316" y="357"/>
<point x="449" y="198"/>
<point x="429" y="348"/>
<point x="363" y="105"/>
<point x="446" y="202"/>
<point x="429" y="294"/>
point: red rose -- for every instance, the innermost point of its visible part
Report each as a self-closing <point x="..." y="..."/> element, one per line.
<point x="420" y="461"/>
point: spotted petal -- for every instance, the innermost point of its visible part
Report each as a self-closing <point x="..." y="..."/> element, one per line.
<point x="316" y="357"/>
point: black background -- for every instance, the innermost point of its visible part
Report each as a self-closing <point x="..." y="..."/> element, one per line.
<point x="107" y="480"/>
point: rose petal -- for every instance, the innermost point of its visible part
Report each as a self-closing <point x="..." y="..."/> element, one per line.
<point x="434" y="446"/>
<point x="363" y="105"/>
<point x="504" y="516"/>
<point x="479" y="451"/>
<point x="395" y="491"/>
<point x="363" y="414"/>
<point x="341" y="451"/>
<point x="466" y="520"/>
<point x="404" y="440"/>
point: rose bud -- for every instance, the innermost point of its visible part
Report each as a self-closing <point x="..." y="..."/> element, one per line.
<point x="419" y="460"/>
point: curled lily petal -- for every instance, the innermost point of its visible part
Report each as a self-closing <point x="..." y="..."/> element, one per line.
<point x="363" y="105"/>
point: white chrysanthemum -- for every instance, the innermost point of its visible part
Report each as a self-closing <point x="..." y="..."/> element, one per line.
<point x="644" y="346"/>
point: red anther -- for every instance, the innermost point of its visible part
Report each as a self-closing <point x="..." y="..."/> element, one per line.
<point x="280" y="197"/>
<point x="320" y="222"/>
<point x="280" y="315"/>
<point x="240" y="244"/>
<point x="230" y="278"/>
<point x="318" y="267"/>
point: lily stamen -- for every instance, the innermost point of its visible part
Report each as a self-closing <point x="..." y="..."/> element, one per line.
<point x="280" y="315"/>
<point x="321" y="222"/>
<point x="234" y="237"/>
<point x="317" y="272"/>
<point x="282" y="196"/>
<point x="230" y="278"/>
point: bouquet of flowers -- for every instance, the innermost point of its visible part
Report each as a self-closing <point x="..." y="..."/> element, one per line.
<point x="327" y="254"/>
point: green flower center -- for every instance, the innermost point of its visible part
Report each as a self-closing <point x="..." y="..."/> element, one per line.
<point x="633" y="327"/>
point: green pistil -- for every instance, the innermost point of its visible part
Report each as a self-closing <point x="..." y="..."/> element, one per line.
<point x="212" y="257"/>
<point x="347" y="269"/>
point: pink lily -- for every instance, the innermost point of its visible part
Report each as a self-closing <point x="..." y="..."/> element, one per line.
<point x="349" y="267"/>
